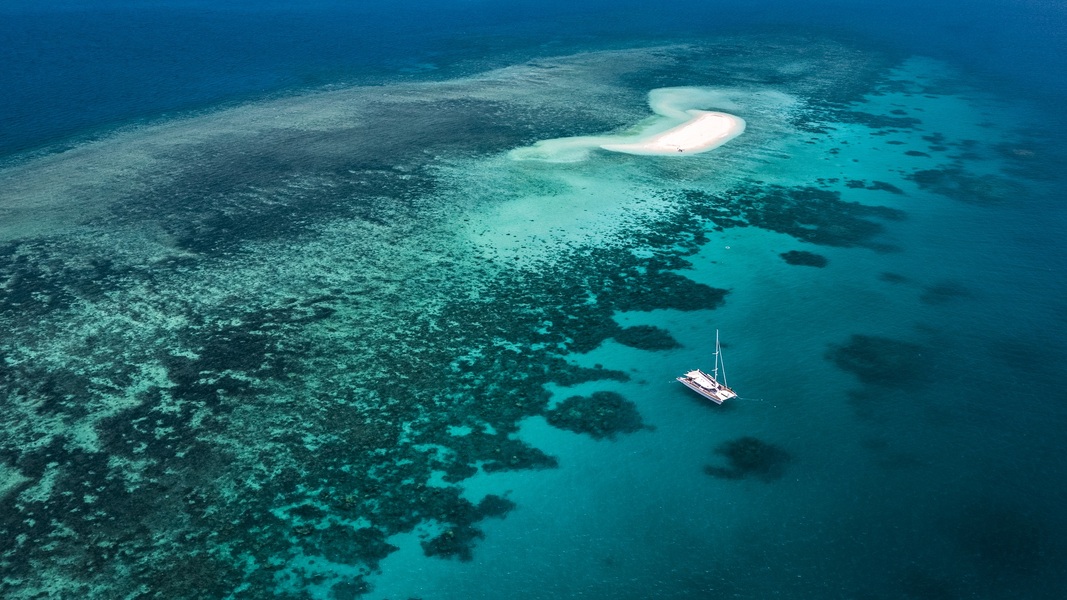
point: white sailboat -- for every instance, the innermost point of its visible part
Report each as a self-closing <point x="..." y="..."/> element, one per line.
<point x="708" y="385"/>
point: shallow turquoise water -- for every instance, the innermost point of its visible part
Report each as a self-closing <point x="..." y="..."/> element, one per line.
<point x="353" y="342"/>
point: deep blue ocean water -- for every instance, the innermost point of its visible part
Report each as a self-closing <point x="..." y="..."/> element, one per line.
<point x="68" y="68"/>
<point x="284" y="318"/>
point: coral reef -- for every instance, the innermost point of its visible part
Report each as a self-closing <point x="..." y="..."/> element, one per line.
<point x="881" y="361"/>
<point x="943" y="292"/>
<point x="647" y="337"/>
<point x="874" y="185"/>
<point x="956" y="183"/>
<point x="809" y="214"/>
<point x="750" y="457"/>
<point x="804" y="258"/>
<point x="602" y="415"/>
<point x="458" y="541"/>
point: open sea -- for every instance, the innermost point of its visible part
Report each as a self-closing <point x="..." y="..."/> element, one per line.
<point x="295" y="304"/>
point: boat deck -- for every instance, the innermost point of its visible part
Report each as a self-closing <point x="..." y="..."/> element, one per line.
<point x="706" y="385"/>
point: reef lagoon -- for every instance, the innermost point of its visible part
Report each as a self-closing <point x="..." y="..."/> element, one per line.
<point x="332" y="302"/>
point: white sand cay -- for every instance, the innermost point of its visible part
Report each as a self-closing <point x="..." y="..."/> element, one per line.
<point x="680" y="127"/>
<point x="705" y="131"/>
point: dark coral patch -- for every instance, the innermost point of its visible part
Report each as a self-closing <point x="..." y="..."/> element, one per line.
<point x="885" y="187"/>
<point x="888" y="277"/>
<point x="916" y="153"/>
<point x="495" y="506"/>
<point x="1007" y="542"/>
<point x="804" y="258"/>
<point x="457" y="542"/>
<point x="859" y="184"/>
<point x="516" y="455"/>
<point x="665" y="289"/>
<point x="602" y="415"/>
<point x="750" y="457"/>
<point x="628" y="284"/>
<point x="958" y="184"/>
<point x="647" y="337"/>
<point x="876" y="121"/>
<point x="943" y="292"/>
<point x="566" y="374"/>
<point x="809" y="214"/>
<point x="881" y="361"/>
<point x="347" y="546"/>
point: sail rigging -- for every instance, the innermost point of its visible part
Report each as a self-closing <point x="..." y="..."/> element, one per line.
<point x="707" y="385"/>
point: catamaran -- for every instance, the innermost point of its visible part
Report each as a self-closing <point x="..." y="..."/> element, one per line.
<point x="708" y="385"/>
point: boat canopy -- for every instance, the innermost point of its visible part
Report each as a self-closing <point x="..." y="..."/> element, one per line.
<point x="701" y="379"/>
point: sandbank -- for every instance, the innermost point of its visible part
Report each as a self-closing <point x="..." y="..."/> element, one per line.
<point x="681" y="126"/>
<point x="704" y="131"/>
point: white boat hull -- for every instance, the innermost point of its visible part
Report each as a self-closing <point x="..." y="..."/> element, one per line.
<point x="706" y="385"/>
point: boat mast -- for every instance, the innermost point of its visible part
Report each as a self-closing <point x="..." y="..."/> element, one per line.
<point x="719" y="361"/>
<point x="715" y="369"/>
